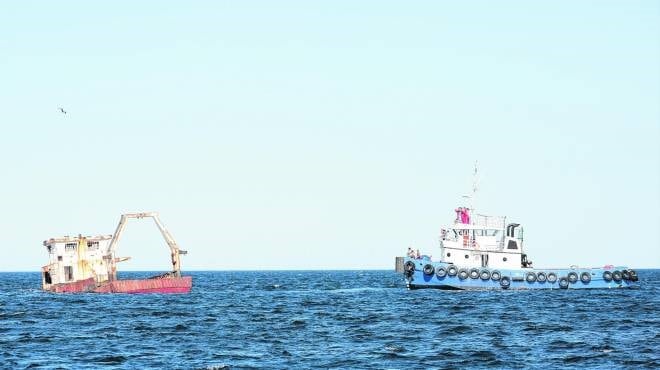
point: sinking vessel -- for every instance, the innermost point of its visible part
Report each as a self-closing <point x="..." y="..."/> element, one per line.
<point x="89" y="264"/>
<point x="485" y="252"/>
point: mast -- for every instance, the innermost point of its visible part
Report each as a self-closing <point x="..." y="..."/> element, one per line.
<point x="473" y="195"/>
<point x="475" y="180"/>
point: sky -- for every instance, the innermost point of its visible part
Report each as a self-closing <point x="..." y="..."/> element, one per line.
<point x="329" y="134"/>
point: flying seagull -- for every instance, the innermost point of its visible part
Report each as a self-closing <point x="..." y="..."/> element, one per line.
<point x="62" y="110"/>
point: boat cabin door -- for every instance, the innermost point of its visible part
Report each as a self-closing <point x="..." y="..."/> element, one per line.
<point x="484" y="260"/>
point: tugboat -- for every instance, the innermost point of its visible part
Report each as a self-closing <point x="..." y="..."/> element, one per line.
<point x="89" y="264"/>
<point x="486" y="252"/>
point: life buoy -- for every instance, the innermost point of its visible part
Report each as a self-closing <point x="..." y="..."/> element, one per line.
<point x="530" y="277"/>
<point x="625" y="274"/>
<point x="463" y="274"/>
<point x="585" y="277"/>
<point x="541" y="277"/>
<point x="607" y="276"/>
<point x="552" y="278"/>
<point x="484" y="275"/>
<point x="563" y="283"/>
<point x="474" y="273"/>
<point x="572" y="277"/>
<point x="409" y="267"/>
<point x="440" y="272"/>
<point x="505" y="282"/>
<point x="495" y="275"/>
<point x="616" y="276"/>
<point x="452" y="270"/>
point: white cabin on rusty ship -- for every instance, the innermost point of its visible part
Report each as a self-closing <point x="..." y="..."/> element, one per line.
<point x="77" y="258"/>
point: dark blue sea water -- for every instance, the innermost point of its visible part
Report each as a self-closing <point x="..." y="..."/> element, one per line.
<point x="328" y="319"/>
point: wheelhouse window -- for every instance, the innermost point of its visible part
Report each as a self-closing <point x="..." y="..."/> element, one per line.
<point x="68" y="273"/>
<point x="92" y="245"/>
<point x="70" y="247"/>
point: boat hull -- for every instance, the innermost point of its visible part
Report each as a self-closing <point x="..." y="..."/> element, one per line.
<point x="518" y="279"/>
<point x="159" y="285"/>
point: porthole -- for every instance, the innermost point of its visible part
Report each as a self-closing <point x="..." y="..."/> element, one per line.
<point x="448" y="254"/>
<point x="504" y="259"/>
<point x="467" y="256"/>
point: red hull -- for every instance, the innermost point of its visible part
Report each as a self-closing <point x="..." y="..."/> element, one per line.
<point x="164" y="285"/>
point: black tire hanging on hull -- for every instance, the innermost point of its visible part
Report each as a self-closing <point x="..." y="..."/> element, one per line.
<point x="530" y="277"/>
<point x="505" y="282"/>
<point x="625" y="274"/>
<point x="633" y="275"/>
<point x="428" y="269"/>
<point x="409" y="267"/>
<point x="541" y="277"/>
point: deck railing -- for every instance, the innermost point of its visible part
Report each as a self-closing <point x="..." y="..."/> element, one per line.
<point x="497" y="222"/>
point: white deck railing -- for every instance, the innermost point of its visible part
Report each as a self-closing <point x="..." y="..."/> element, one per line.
<point x="496" y="222"/>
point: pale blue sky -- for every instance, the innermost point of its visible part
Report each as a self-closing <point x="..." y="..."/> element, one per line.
<point x="305" y="135"/>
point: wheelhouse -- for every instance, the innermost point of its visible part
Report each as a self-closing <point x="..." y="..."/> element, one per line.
<point x="486" y="241"/>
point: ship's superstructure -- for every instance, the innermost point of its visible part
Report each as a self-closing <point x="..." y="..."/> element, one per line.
<point x="484" y="241"/>
<point x="77" y="258"/>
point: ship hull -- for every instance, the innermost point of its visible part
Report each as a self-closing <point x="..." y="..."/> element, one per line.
<point x="161" y="285"/>
<point x="517" y="279"/>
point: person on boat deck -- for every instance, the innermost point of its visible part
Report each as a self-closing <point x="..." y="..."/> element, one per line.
<point x="463" y="214"/>
<point x="410" y="253"/>
<point x="417" y="255"/>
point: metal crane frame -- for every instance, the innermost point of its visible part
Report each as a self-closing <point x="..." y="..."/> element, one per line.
<point x="169" y="239"/>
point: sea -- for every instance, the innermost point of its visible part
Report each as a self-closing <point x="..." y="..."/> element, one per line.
<point x="327" y="320"/>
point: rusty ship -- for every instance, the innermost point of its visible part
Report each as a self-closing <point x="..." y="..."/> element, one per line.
<point x="89" y="264"/>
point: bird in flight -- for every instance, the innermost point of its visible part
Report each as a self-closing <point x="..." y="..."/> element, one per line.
<point x="62" y="110"/>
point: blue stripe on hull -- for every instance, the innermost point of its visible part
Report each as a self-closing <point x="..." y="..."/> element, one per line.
<point x="418" y="279"/>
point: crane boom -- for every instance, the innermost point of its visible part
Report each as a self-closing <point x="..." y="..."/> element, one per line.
<point x="169" y="239"/>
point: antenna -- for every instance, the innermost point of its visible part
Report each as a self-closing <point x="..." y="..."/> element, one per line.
<point x="475" y="181"/>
